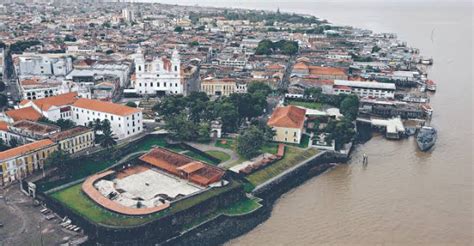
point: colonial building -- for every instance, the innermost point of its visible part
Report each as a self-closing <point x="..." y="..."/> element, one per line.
<point x="124" y="121"/>
<point x="222" y="87"/>
<point x="158" y="76"/>
<point x="288" y="124"/>
<point x="75" y="139"/>
<point x="19" y="162"/>
<point x="301" y="69"/>
<point x="53" y="108"/>
<point x="25" y="131"/>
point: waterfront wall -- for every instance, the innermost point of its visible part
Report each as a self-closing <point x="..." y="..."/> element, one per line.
<point x="274" y="188"/>
<point x="220" y="229"/>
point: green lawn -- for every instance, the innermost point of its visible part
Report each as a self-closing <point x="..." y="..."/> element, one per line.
<point x="271" y="148"/>
<point x="219" y="155"/>
<point x="88" y="166"/>
<point x="73" y="198"/>
<point x="81" y="204"/>
<point x="292" y="157"/>
<point x="310" y="105"/>
<point x="244" y="206"/>
<point x="199" y="157"/>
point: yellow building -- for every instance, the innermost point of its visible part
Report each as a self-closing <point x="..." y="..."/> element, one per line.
<point x="222" y="87"/>
<point x="75" y="139"/>
<point x="19" y="162"/>
<point x="288" y="124"/>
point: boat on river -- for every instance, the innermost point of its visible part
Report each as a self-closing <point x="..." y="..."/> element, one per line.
<point x="426" y="138"/>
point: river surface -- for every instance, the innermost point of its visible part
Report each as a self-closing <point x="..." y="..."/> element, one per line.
<point x="403" y="196"/>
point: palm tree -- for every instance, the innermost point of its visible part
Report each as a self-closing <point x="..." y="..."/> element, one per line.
<point x="107" y="140"/>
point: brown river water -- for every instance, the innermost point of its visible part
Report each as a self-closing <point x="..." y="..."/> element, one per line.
<point x="403" y="196"/>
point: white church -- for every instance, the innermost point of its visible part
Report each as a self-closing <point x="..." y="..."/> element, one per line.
<point x="158" y="76"/>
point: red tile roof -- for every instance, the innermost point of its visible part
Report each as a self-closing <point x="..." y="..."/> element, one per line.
<point x="58" y="101"/>
<point x="28" y="113"/>
<point x="300" y="66"/>
<point x="20" y="150"/>
<point x="289" y="117"/>
<point x="174" y="163"/>
<point x="316" y="70"/>
<point x="3" y="126"/>
<point x="106" y="107"/>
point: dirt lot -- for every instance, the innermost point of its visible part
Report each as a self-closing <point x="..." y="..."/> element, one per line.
<point x="24" y="224"/>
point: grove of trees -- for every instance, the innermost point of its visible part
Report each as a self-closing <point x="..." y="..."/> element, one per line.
<point x="267" y="47"/>
<point x="189" y="118"/>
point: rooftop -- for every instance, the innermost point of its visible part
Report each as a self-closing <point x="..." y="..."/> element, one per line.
<point x="23" y="149"/>
<point x="28" y="113"/>
<point x="365" y="84"/>
<point x="35" y="126"/>
<point x="289" y="116"/>
<point x="69" y="133"/>
<point x="59" y="100"/>
<point x="106" y="107"/>
<point x="174" y="163"/>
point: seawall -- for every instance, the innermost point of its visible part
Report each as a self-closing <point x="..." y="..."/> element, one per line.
<point x="223" y="228"/>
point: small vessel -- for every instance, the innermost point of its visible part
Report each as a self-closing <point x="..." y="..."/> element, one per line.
<point x="426" y="138"/>
<point x="430" y="85"/>
<point x="425" y="61"/>
<point x="427" y="109"/>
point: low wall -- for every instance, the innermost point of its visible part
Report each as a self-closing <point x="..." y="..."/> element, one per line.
<point x="307" y="169"/>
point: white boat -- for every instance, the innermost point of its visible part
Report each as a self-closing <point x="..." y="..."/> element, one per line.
<point x="430" y="85"/>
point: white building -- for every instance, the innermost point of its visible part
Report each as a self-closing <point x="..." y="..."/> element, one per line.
<point x="2" y="62"/>
<point x="124" y="121"/>
<point x="159" y="75"/>
<point x="365" y="89"/>
<point x="121" y="70"/>
<point x="42" y="64"/>
<point x="128" y="15"/>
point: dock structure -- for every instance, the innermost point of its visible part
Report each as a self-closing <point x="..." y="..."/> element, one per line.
<point x="394" y="127"/>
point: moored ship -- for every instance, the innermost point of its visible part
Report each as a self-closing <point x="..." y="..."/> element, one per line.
<point x="426" y="138"/>
<point x="430" y="85"/>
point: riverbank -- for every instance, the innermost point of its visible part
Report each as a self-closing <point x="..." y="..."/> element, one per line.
<point x="222" y="228"/>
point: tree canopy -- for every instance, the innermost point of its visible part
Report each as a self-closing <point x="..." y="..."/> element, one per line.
<point x="349" y="107"/>
<point x="341" y="131"/>
<point x="131" y="104"/>
<point x="2" y="86"/>
<point x="3" y="100"/>
<point x="286" y="47"/>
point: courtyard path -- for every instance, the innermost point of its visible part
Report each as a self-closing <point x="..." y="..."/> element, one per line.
<point x="207" y="147"/>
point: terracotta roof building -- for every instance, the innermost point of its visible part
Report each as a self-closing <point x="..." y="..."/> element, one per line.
<point x="302" y="69"/>
<point x="288" y="123"/>
<point x="124" y="121"/>
<point x="23" y="160"/>
<point x="28" y="113"/>
<point x="183" y="166"/>
<point x="75" y="139"/>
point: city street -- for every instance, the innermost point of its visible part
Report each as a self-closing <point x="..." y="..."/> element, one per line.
<point x="24" y="224"/>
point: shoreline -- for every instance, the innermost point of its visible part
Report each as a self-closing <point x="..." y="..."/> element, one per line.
<point x="223" y="228"/>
